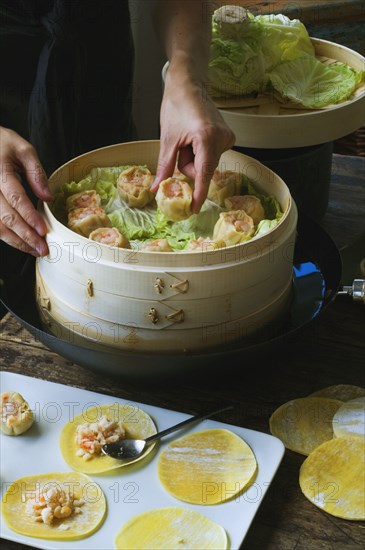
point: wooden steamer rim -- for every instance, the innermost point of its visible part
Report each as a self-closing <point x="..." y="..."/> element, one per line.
<point x="267" y="123"/>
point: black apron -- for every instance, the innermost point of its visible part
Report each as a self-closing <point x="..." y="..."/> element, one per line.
<point x="67" y="75"/>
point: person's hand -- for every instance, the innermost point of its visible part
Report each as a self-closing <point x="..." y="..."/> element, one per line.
<point x="192" y="132"/>
<point x="21" y="226"/>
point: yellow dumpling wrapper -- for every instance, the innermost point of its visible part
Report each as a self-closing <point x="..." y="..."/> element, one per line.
<point x="137" y="424"/>
<point x="350" y="418"/>
<point x="304" y="424"/>
<point x="223" y="185"/>
<point x="233" y="227"/>
<point x="343" y="392"/>
<point x="174" y="198"/>
<point x="207" y="467"/>
<point x="134" y="185"/>
<point x="332" y="477"/>
<point x="72" y="528"/>
<point x="170" y="528"/>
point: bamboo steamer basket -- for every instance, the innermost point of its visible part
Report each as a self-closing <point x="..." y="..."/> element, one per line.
<point x="164" y="302"/>
<point x="265" y="122"/>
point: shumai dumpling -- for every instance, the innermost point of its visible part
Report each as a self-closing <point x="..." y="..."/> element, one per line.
<point x="110" y="236"/>
<point x="174" y="197"/>
<point x="233" y="227"/>
<point x="85" y="199"/>
<point x="134" y="185"/>
<point x="158" y="245"/>
<point x="223" y="185"/>
<point x="249" y="203"/>
<point x="203" y="244"/>
<point x="85" y="220"/>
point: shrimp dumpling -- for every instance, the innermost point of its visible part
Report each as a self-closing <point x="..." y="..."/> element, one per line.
<point x="134" y="185"/>
<point x="203" y="244"/>
<point x="233" y="227"/>
<point x="158" y="245"/>
<point x="249" y="203"/>
<point x="111" y="236"/>
<point x="85" y="220"/>
<point x="174" y="197"/>
<point x="223" y="185"/>
<point x="85" y="199"/>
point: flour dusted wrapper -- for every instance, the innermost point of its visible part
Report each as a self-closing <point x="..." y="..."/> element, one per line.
<point x="167" y="528"/>
<point x="207" y="467"/>
<point x="350" y="418"/>
<point x="77" y="526"/>
<point x="343" y="392"/>
<point x="304" y="424"/>
<point x="333" y="477"/>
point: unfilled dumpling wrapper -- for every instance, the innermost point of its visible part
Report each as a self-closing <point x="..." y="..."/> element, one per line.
<point x="249" y="203"/>
<point x="134" y="185"/>
<point x="233" y="227"/>
<point x="223" y="185"/>
<point x="343" y="392"/>
<point x="111" y="236"/>
<point x="171" y="528"/>
<point x="350" y="418"/>
<point x="85" y="220"/>
<point x="207" y="467"/>
<point x="85" y="199"/>
<point x="304" y="424"/>
<point x="174" y="197"/>
<point x="332" y="477"/>
<point x="136" y="424"/>
<point x="158" y="245"/>
<point x="16" y="416"/>
<point x="86" y="506"/>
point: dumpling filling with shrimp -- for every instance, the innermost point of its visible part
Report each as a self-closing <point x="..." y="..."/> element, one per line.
<point x="174" y="198"/>
<point x="249" y="203"/>
<point x="223" y="185"/>
<point x="233" y="227"/>
<point x="157" y="245"/>
<point x="86" y="220"/>
<point x="111" y="236"/>
<point x="85" y="199"/>
<point x="134" y="185"/>
<point x="203" y="244"/>
<point x="90" y="437"/>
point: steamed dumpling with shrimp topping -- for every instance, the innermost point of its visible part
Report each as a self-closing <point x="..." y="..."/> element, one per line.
<point x="158" y="245"/>
<point x="85" y="199"/>
<point x="249" y="203"/>
<point x="134" y="185"/>
<point x="174" y="197"/>
<point x="111" y="236"/>
<point x="223" y="185"/>
<point x="203" y="244"/>
<point x="233" y="227"/>
<point x="86" y="220"/>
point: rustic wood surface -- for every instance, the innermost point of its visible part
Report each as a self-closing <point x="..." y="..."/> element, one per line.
<point x="331" y="350"/>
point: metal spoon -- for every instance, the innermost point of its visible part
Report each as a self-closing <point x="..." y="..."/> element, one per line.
<point x="128" y="449"/>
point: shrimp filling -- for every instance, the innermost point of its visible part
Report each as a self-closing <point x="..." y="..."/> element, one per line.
<point x="91" y="437"/>
<point x="52" y="505"/>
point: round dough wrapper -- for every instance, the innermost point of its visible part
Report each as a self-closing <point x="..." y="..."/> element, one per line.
<point x="168" y="528"/>
<point x="332" y="477"/>
<point x="304" y="424"/>
<point x="207" y="467"/>
<point x="350" y="418"/>
<point x="343" y="392"/>
<point x="75" y="527"/>
<point x="137" y="424"/>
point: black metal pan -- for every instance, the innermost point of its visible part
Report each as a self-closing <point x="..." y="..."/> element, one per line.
<point x="316" y="280"/>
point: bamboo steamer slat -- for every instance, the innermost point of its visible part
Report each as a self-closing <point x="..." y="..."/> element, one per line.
<point x="109" y="291"/>
<point x="266" y="123"/>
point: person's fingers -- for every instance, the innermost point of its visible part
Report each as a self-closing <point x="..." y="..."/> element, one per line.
<point x="33" y="171"/>
<point x="12" y="239"/>
<point x="205" y="163"/>
<point x="166" y="163"/>
<point x="15" y="196"/>
<point x="186" y="161"/>
<point x="14" y="222"/>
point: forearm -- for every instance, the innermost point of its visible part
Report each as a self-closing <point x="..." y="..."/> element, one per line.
<point x="184" y="29"/>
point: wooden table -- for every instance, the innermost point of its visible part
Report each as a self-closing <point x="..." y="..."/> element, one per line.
<point x="329" y="351"/>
